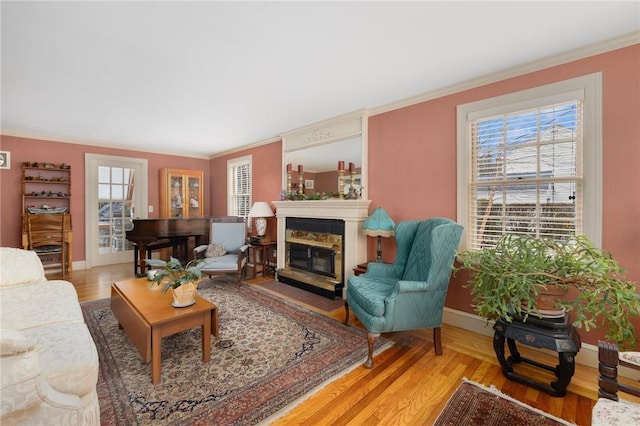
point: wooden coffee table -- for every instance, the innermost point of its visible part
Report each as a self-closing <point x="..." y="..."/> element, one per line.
<point x="146" y="315"/>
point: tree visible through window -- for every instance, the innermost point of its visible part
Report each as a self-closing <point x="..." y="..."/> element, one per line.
<point x="239" y="187"/>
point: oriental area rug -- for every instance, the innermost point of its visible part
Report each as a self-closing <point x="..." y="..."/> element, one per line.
<point x="473" y="404"/>
<point x="271" y="354"/>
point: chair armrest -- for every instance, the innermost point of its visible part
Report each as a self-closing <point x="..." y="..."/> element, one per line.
<point x="199" y="251"/>
<point x="411" y="286"/>
<point x="378" y="269"/>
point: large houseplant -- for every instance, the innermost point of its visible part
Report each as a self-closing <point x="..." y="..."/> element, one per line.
<point x="507" y="279"/>
<point x="177" y="277"/>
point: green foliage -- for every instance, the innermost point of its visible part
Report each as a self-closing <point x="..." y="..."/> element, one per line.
<point x="313" y="196"/>
<point x="172" y="274"/>
<point x="507" y="278"/>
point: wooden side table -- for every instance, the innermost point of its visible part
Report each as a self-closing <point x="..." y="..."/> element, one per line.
<point x="260" y="257"/>
<point x="360" y="269"/>
<point x="557" y="335"/>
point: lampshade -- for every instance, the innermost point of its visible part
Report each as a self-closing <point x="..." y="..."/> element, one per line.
<point x="379" y="224"/>
<point x="261" y="209"/>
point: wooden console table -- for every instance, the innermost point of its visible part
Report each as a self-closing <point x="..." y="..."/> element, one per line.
<point x="555" y="334"/>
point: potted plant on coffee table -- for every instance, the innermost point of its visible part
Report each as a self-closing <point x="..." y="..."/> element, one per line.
<point x="182" y="280"/>
<point x="507" y="280"/>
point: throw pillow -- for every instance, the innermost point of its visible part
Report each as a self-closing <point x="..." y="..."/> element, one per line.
<point x="215" y="250"/>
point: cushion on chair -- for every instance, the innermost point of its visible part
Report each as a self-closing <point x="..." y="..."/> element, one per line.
<point x="607" y="412"/>
<point x="215" y="250"/>
<point x="227" y="262"/>
<point x="370" y="293"/>
<point x="630" y="357"/>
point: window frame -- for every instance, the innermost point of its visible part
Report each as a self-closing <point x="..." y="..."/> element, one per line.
<point x="232" y="164"/>
<point x="589" y="88"/>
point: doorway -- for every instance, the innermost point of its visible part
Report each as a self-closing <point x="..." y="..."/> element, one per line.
<point x="115" y="193"/>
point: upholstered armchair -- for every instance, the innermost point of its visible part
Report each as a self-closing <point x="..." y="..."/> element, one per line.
<point x="408" y="294"/>
<point x="226" y="252"/>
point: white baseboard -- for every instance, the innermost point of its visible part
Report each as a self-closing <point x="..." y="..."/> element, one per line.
<point x="79" y="265"/>
<point x="588" y="354"/>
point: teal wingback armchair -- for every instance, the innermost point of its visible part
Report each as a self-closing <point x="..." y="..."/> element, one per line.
<point x="408" y="294"/>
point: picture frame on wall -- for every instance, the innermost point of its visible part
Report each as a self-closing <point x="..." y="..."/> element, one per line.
<point x="309" y="183"/>
<point x="5" y="160"/>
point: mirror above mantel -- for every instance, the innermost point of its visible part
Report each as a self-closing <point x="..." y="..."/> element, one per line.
<point x="320" y="146"/>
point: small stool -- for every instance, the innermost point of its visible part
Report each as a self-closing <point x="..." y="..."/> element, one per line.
<point x="555" y="334"/>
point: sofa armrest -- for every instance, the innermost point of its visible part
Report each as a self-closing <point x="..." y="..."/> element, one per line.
<point x="27" y="397"/>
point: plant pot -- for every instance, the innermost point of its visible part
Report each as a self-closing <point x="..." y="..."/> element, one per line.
<point x="546" y="302"/>
<point x="184" y="295"/>
<point x="548" y="297"/>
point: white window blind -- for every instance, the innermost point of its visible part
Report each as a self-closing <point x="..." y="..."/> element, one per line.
<point x="526" y="177"/>
<point x="530" y="162"/>
<point x="239" y="182"/>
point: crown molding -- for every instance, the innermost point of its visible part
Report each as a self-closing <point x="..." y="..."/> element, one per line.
<point x="246" y="147"/>
<point x="544" y="63"/>
<point x="98" y="144"/>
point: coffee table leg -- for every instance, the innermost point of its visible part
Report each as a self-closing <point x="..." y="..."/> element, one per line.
<point x="206" y="337"/>
<point x="155" y="355"/>
<point x="215" y="328"/>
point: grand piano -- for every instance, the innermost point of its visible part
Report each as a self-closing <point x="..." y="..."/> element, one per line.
<point x="153" y="234"/>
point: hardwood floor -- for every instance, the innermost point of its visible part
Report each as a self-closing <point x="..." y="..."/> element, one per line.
<point x="408" y="385"/>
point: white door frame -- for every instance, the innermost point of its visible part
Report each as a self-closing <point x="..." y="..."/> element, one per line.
<point x="92" y="162"/>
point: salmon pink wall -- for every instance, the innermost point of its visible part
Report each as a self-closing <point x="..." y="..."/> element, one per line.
<point x="266" y="183"/>
<point x="412" y="157"/>
<point x="35" y="150"/>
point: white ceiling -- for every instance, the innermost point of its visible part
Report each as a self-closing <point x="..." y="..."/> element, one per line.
<point x="200" y="78"/>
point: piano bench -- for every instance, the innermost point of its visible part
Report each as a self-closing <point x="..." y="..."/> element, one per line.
<point x="156" y="245"/>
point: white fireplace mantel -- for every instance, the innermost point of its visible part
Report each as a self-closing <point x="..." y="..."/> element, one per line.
<point x="353" y="212"/>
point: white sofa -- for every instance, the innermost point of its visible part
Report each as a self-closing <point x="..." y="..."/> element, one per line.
<point x="48" y="360"/>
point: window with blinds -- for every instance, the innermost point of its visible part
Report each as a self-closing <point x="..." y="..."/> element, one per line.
<point x="239" y="182"/>
<point x="522" y="160"/>
<point x="525" y="177"/>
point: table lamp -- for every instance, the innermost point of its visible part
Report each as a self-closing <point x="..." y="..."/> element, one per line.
<point x="261" y="210"/>
<point x="379" y="224"/>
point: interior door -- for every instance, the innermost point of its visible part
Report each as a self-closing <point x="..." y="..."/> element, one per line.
<point x="115" y="194"/>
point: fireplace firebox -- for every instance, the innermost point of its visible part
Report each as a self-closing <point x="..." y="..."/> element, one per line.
<point x="314" y="255"/>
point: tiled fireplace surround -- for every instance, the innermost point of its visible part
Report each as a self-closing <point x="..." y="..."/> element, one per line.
<point x="352" y="212"/>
